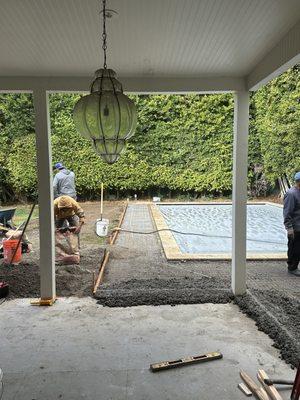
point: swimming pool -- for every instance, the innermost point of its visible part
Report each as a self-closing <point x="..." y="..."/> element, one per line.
<point x="266" y="236"/>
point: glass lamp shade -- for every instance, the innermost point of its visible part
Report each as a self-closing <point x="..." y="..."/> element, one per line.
<point x="106" y="116"/>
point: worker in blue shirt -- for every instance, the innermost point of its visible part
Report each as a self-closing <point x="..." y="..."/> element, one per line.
<point x="291" y="215"/>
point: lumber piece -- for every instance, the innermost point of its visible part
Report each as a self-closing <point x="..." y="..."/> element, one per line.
<point x="103" y="266"/>
<point x="185" y="361"/>
<point x="43" y="302"/>
<point x="245" y="389"/>
<point x="94" y="288"/>
<point x="259" y="392"/>
<point x="270" y="389"/>
<point x="101" y="270"/>
<point x="116" y="232"/>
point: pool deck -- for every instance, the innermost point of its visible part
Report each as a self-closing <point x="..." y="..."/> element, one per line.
<point x="172" y="250"/>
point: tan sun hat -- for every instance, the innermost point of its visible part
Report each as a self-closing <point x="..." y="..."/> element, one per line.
<point x="65" y="202"/>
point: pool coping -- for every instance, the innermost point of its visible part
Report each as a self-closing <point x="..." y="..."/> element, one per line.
<point x="172" y="250"/>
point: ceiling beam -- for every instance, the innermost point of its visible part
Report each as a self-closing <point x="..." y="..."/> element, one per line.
<point x="141" y="85"/>
<point x="167" y="85"/>
<point x="283" y="56"/>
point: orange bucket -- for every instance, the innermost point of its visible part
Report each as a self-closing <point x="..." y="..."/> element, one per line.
<point x="9" y="247"/>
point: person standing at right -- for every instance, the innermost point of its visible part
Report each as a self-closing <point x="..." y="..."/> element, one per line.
<point x="291" y="215"/>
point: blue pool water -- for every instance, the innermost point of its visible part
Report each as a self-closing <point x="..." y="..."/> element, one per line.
<point x="264" y="225"/>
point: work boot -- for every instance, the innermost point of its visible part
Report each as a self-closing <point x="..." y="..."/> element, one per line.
<point x="295" y="272"/>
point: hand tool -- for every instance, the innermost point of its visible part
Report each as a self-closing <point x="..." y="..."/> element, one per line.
<point x="296" y="384"/>
<point x="271" y="382"/>
<point x="270" y="389"/>
<point x="185" y="361"/>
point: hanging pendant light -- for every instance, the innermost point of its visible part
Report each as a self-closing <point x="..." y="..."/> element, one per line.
<point x="106" y="116"/>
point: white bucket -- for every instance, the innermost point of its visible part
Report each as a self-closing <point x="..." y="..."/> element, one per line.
<point x="102" y="227"/>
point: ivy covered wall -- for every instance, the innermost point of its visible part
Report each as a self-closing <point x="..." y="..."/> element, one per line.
<point x="183" y="143"/>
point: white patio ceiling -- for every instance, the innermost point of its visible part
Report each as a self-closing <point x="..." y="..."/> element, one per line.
<point x="150" y="39"/>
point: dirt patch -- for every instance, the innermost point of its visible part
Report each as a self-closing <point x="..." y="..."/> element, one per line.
<point x="71" y="280"/>
<point x="156" y="292"/>
<point x="112" y="211"/>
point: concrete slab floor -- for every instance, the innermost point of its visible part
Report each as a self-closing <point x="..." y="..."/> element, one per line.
<point x="80" y="350"/>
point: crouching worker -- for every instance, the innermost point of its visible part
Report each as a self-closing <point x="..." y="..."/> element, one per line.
<point x="69" y="218"/>
<point x="68" y="213"/>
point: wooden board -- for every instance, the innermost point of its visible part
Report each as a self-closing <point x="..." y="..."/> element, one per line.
<point x="185" y="361"/>
<point x="43" y="302"/>
<point x="245" y="389"/>
<point x="270" y="389"/>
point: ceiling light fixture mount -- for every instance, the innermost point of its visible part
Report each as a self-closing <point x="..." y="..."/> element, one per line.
<point x="109" y="13"/>
<point x="106" y="116"/>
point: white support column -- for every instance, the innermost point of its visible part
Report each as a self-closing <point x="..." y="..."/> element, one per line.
<point x="45" y="192"/>
<point x="239" y="196"/>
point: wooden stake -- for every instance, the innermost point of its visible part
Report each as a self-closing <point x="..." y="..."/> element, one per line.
<point x="94" y="281"/>
<point x="258" y="392"/>
<point x="101" y="270"/>
<point x="94" y="275"/>
<point x="115" y="234"/>
<point x="270" y="389"/>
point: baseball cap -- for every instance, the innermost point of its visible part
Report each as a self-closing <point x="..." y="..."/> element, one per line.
<point x="297" y="176"/>
<point x="58" y="165"/>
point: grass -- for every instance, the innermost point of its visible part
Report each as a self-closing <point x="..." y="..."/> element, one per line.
<point x="22" y="213"/>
